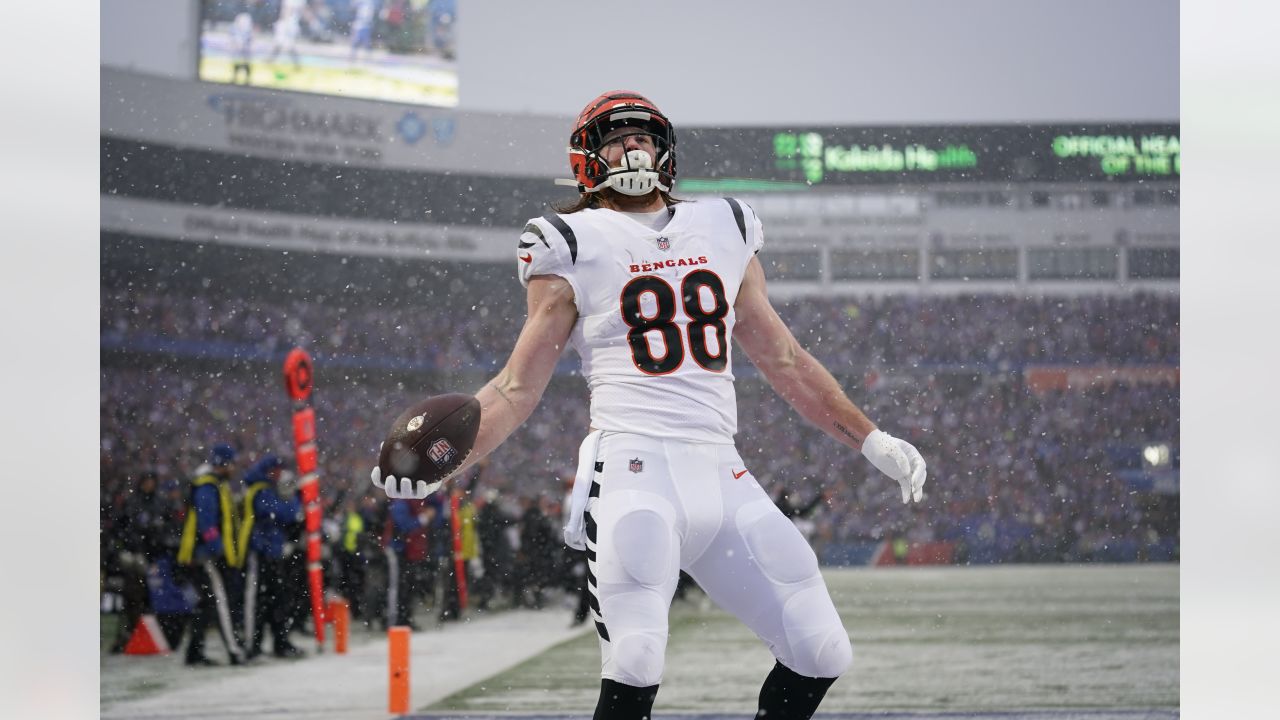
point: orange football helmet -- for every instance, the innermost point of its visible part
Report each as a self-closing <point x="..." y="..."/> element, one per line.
<point x="608" y="112"/>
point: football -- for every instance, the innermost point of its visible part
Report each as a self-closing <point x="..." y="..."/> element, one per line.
<point x="431" y="439"/>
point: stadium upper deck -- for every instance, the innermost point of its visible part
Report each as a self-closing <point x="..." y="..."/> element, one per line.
<point x="1003" y="209"/>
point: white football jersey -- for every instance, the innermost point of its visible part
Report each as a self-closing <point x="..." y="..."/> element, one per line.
<point x="655" y="311"/>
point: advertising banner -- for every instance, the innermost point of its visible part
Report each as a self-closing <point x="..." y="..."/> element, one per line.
<point x="803" y="157"/>
<point x="306" y="234"/>
<point x="301" y="127"/>
<point x="341" y="131"/>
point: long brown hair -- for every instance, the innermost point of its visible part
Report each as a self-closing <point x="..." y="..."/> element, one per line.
<point x="587" y="201"/>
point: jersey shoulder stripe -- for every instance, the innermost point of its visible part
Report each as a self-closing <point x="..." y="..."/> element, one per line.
<point x="738" y="217"/>
<point x="535" y="230"/>
<point x="566" y="232"/>
<point x="540" y="251"/>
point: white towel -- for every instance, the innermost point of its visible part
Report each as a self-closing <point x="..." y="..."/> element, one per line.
<point x="575" y="530"/>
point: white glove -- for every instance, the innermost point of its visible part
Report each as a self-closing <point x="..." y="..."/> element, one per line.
<point x="403" y="489"/>
<point x="899" y="460"/>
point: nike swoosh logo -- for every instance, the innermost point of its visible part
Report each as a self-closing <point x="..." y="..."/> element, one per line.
<point x="739" y="474"/>
<point x="527" y="257"/>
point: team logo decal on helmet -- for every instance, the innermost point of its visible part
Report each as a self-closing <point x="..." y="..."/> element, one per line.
<point x="637" y="173"/>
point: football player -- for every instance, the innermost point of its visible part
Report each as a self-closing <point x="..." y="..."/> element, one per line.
<point x="650" y="291"/>
<point x="242" y="47"/>
<point x="287" y="28"/>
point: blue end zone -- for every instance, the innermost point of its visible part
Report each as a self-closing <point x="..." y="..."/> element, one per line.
<point x="887" y="715"/>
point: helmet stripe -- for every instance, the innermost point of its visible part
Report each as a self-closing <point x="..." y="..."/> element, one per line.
<point x="630" y="115"/>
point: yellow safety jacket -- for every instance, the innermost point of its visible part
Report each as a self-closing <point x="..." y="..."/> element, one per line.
<point x="470" y="539"/>
<point x="246" y="522"/>
<point x="353" y="526"/>
<point x="186" y="548"/>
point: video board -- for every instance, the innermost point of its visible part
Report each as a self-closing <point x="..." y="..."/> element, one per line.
<point x="812" y="156"/>
<point x="397" y="50"/>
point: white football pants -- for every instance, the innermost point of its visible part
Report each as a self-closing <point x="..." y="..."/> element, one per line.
<point x="659" y="506"/>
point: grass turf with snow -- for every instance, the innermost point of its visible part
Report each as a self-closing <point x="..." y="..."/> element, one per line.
<point x="968" y="640"/>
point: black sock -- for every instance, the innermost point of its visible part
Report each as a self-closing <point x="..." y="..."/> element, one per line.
<point x="787" y="695"/>
<point x="619" y="701"/>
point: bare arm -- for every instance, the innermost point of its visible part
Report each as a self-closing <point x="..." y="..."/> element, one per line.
<point x="510" y="397"/>
<point x="799" y="378"/>
<point x="802" y="381"/>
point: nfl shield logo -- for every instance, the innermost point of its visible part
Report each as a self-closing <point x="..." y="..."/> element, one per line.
<point x="441" y="452"/>
<point x="664" y="244"/>
<point x="637" y="465"/>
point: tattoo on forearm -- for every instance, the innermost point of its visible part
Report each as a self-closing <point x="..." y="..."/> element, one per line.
<point x="498" y="388"/>
<point x="849" y="433"/>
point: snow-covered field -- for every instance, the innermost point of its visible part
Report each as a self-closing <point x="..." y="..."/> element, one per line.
<point x="1059" y="642"/>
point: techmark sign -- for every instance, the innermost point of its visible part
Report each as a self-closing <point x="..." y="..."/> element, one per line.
<point x="275" y="124"/>
<point x="308" y="128"/>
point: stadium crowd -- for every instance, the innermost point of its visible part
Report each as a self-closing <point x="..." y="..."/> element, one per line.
<point x="845" y="333"/>
<point x="1015" y="474"/>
